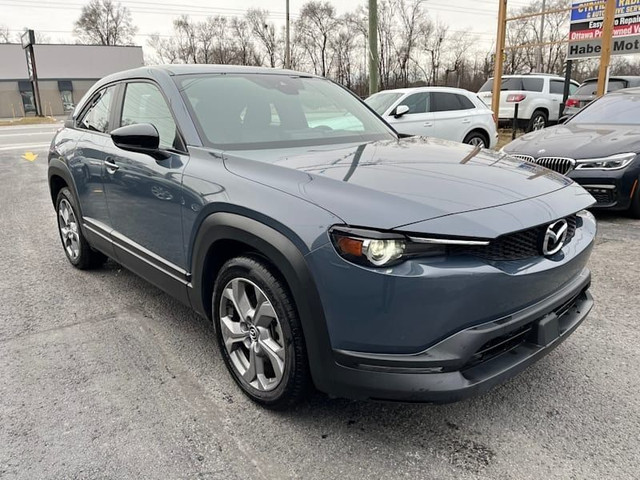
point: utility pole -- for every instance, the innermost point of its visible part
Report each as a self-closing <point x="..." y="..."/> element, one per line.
<point x="605" y="53"/>
<point x="373" y="46"/>
<point x="541" y="40"/>
<point x="499" y="59"/>
<point x="287" y="41"/>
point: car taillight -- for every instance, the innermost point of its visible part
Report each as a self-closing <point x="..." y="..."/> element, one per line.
<point x="572" y="102"/>
<point x="516" y="97"/>
<point x="495" y="118"/>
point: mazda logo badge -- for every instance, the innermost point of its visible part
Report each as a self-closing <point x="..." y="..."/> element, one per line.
<point x="554" y="237"/>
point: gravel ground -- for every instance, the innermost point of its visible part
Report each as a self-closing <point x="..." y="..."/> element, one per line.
<point x="104" y="376"/>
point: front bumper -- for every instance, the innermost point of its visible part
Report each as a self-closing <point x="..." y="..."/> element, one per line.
<point x="613" y="190"/>
<point x="470" y="361"/>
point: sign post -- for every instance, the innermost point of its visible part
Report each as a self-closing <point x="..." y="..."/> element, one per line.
<point x="498" y="61"/>
<point x="605" y="55"/>
<point x="28" y="39"/>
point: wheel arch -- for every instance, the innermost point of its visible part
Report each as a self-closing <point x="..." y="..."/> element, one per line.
<point x="59" y="177"/>
<point x="480" y="131"/>
<point x="224" y="235"/>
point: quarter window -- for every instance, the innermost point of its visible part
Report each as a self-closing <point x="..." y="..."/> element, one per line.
<point x="143" y="103"/>
<point x="96" y="117"/>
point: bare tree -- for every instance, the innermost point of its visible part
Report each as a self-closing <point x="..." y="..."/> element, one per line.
<point x="265" y="33"/>
<point x="105" y="22"/>
<point x="314" y="29"/>
<point x="4" y="34"/>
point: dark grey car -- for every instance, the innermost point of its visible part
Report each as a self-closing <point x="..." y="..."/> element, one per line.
<point x="587" y="91"/>
<point x="326" y="250"/>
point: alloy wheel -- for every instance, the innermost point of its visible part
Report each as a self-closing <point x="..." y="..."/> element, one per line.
<point x="477" y="142"/>
<point x="538" y="123"/>
<point x="69" y="229"/>
<point x="252" y="334"/>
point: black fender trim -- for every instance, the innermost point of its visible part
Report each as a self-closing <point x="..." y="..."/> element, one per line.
<point x="58" y="168"/>
<point x="290" y="261"/>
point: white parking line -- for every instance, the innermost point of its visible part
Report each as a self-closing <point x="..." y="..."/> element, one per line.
<point x="30" y="146"/>
<point x="2" y="135"/>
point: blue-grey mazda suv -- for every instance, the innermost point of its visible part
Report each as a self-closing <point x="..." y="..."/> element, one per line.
<point x="326" y="249"/>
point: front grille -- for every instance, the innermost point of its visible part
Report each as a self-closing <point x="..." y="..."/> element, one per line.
<point x="561" y="165"/>
<point x="516" y="246"/>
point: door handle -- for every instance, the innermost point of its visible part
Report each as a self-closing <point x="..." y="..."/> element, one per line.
<point x="111" y="166"/>
<point x="428" y="124"/>
<point x="466" y="120"/>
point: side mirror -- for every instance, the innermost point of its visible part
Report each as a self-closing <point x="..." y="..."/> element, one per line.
<point x="400" y="110"/>
<point x="141" y="138"/>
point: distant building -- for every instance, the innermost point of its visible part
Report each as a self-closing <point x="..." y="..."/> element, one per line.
<point x="65" y="73"/>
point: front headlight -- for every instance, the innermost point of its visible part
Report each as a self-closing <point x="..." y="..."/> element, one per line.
<point x="373" y="248"/>
<point x="613" y="162"/>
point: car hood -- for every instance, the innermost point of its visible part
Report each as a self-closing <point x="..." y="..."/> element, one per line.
<point x="389" y="184"/>
<point x="577" y="141"/>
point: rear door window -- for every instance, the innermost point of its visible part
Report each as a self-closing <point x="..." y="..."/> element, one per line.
<point x="445" y="102"/>
<point x="557" y="87"/>
<point x="532" y="84"/>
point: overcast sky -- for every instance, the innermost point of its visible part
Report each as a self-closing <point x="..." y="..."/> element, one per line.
<point x="55" y="17"/>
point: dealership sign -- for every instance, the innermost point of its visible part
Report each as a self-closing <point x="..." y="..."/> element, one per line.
<point x="585" y="36"/>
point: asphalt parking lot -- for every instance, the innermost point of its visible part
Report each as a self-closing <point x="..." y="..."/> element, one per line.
<point x="104" y="376"/>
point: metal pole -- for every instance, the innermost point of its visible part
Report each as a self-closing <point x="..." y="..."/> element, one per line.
<point x="567" y="83"/>
<point x="514" y="122"/>
<point x="499" y="59"/>
<point x="373" y="46"/>
<point x="544" y="6"/>
<point x="605" y="53"/>
<point x="287" y="46"/>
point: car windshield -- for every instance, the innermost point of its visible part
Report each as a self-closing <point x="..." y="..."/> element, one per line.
<point x="380" y="102"/>
<point x="610" y="110"/>
<point x="591" y="87"/>
<point x="256" y="111"/>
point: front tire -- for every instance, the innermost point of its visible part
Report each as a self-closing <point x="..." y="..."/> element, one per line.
<point x="78" y="251"/>
<point x="538" y="121"/>
<point x="259" y="333"/>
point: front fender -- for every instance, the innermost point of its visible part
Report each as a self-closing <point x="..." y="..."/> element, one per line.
<point x="290" y="261"/>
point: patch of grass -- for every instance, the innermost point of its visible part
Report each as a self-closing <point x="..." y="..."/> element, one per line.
<point x="27" y="121"/>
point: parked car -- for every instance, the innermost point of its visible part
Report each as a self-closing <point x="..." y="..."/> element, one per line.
<point x="598" y="148"/>
<point x="449" y="113"/>
<point x="368" y="265"/>
<point x="587" y="92"/>
<point x="538" y="97"/>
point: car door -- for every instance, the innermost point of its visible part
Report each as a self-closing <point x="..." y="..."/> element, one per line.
<point x="450" y="120"/>
<point x="418" y="120"/>
<point x="144" y="194"/>
<point x="87" y="166"/>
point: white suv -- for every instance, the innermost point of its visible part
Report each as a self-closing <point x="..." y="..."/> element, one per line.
<point x="539" y="97"/>
<point x="443" y="112"/>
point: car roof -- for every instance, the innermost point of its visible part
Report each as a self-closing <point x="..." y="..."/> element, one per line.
<point x="152" y="71"/>
<point x="627" y="78"/>
<point x="428" y="89"/>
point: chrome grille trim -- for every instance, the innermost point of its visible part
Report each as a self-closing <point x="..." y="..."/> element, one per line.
<point x="561" y="165"/>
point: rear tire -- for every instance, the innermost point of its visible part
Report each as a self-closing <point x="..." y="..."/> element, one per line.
<point x="475" y="139"/>
<point x="538" y="121"/>
<point x="259" y="333"/>
<point x="78" y="251"/>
